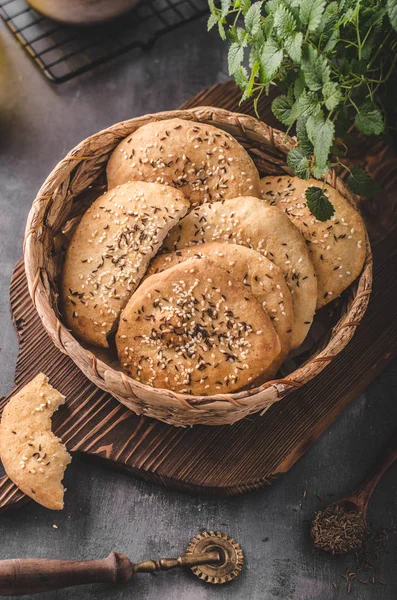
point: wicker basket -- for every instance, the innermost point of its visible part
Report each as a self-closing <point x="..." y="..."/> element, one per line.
<point x="59" y="203"/>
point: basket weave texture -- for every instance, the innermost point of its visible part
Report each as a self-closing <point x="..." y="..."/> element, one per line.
<point x="59" y="204"/>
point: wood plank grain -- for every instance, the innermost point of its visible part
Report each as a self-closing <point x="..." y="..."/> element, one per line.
<point x="223" y="460"/>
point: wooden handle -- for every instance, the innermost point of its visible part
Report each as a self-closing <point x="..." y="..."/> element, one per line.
<point x="363" y="493"/>
<point x="33" y="575"/>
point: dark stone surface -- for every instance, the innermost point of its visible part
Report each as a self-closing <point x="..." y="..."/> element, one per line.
<point x="105" y="511"/>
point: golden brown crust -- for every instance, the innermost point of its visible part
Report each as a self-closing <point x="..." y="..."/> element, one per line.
<point x="254" y="271"/>
<point x="109" y="253"/>
<point x="32" y="456"/>
<point x="337" y="246"/>
<point x="204" y="162"/>
<point x="253" y="223"/>
<point x="194" y="329"/>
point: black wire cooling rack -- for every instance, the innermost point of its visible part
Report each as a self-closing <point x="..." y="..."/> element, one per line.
<point x="62" y="52"/>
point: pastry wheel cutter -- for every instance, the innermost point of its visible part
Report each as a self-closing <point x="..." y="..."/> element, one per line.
<point x="212" y="556"/>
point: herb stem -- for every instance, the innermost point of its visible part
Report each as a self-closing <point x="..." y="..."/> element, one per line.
<point x="359" y="46"/>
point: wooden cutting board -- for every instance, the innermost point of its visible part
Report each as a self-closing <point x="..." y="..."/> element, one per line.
<point x="221" y="460"/>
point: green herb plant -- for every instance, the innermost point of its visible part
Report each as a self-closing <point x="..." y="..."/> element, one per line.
<point x="330" y="61"/>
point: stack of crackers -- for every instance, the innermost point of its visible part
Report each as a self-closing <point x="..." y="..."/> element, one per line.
<point x="204" y="275"/>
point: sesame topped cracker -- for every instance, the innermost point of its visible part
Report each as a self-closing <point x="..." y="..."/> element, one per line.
<point x="252" y="223"/>
<point x="109" y="253"/>
<point x="206" y="163"/>
<point x="32" y="456"/>
<point x="195" y="330"/>
<point x="337" y="246"/>
<point x="256" y="272"/>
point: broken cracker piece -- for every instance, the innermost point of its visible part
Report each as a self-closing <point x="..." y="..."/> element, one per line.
<point x="33" y="457"/>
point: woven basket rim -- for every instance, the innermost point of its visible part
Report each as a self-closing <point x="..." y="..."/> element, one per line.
<point x="38" y="278"/>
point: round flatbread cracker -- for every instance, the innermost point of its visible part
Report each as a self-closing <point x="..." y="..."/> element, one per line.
<point x="204" y="162"/>
<point x="32" y="456"/>
<point x="252" y="223"/>
<point x="110" y="251"/>
<point x="337" y="246"/>
<point x="254" y="271"/>
<point x="193" y="329"/>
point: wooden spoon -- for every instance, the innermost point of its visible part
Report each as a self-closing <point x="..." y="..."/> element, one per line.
<point x="335" y="529"/>
<point x="358" y="500"/>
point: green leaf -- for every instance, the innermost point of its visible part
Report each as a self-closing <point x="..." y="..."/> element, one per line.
<point x="369" y="119"/>
<point x="271" y="59"/>
<point x="213" y="9"/>
<point x="332" y="95"/>
<point x="252" y="19"/>
<point x="306" y="105"/>
<point x="241" y="77"/>
<point x="225" y="6"/>
<point x="392" y="12"/>
<point x="256" y="54"/>
<point x="245" y="6"/>
<point x="329" y="17"/>
<point x="359" y="67"/>
<point x="281" y="107"/>
<point x="268" y="27"/>
<point x="361" y="183"/>
<point x="328" y="28"/>
<point x="299" y="163"/>
<point x="349" y="15"/>
<point x="253" y="56"/>
<point x="377" y="17"/>
<point x="319" y="204"/>
<point x="221" y="30"/>
<point x="301" y="133"/>
<point x="318" y="171"/>
<point x="292" y="3"/>
<point x="272" y="6"/>
<point x="299" y="85"/>
<point x="242" y="36"/>
<point x="213" y="20"/>
<point x="284" y="22"/>
<point x="321" y="134"/>
<point x="259" y="38"/>
<point x="231" y="34"/>
<point x="293" y="46"/>
<point x="235" y="57"/>
<point x="372" y="42"/>
<point x="345" y="66"/>
<point x="316" y="68"/>
<point x="311" y="12"/>
<point x="333" y="40"/>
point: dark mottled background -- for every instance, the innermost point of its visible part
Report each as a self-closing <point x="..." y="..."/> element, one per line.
<point x="39" y="123"/>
